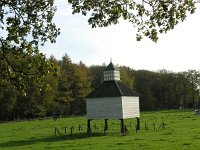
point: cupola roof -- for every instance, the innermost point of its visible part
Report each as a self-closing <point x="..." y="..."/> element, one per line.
<point x="111" y="66"/>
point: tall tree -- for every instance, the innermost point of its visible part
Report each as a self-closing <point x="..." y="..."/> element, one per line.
<point x="81" y="88"/>
<point x="8" y="97"/>
<point x="97" y="74"/>
<point x="194" y="78"/>
<point x="143" y="85"/>
<point x="49" y="91"/>
<point x="126" y="76"/>
<point x="65" y="82"/>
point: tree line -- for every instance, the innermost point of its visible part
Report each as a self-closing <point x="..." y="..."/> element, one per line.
<point x="61" y="90"/>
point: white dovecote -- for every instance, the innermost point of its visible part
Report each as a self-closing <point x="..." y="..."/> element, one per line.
<point x="112" y="99"/>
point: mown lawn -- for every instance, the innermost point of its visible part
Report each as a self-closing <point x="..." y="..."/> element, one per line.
<point x="182" y="131"/>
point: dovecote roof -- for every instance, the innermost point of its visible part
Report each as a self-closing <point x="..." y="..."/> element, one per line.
<point x="112" y="89"/>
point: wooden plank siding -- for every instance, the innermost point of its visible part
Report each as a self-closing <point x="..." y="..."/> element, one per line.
<point x="113" y="107"/>
<point x="104" y="108"/>
<point x="130" y="107"/>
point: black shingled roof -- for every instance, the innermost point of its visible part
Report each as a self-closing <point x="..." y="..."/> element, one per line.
<point x="112" y="89"/>
<point x="111" y="66"/>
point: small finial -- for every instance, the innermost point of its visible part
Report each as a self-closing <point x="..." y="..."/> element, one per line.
<point x="111" y="59"/>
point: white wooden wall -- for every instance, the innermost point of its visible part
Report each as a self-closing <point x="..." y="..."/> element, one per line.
<point x="131" y="107"/>
<point x="113" y="108"/>
<point x="104" y="108"/>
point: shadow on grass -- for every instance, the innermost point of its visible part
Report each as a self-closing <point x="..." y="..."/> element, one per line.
<point x="49" y="139"/>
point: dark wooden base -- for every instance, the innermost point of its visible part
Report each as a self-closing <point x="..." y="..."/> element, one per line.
<point x="138" y="123"/>
<point x="122" y="125"/>
<point x="88" y="126"/>
<point x="106" y="124"/>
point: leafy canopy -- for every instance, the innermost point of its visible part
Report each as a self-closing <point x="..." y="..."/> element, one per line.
<point x="24" y="25"/>
<point x="150" y="17"/>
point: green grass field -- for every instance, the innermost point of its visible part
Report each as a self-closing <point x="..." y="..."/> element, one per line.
<point x="182" y="131"/>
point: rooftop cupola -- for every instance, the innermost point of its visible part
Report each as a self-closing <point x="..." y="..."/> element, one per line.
<point x="111" y="73"/>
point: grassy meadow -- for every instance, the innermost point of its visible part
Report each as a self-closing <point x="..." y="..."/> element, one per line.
<point x="182" y="131"/>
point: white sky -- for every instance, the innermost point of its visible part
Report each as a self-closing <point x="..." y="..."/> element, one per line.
<point x="178" y="50"/>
